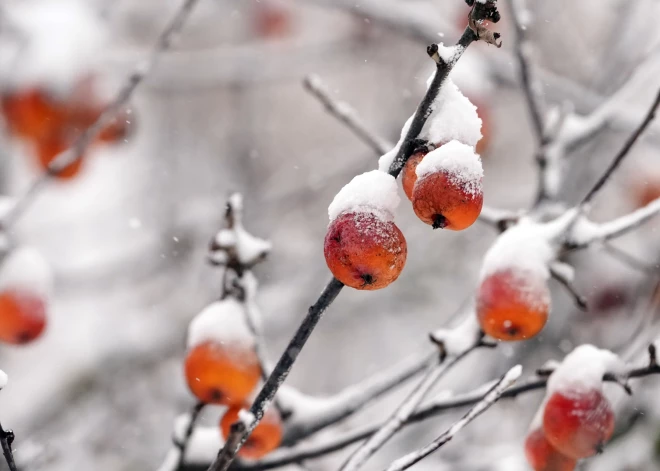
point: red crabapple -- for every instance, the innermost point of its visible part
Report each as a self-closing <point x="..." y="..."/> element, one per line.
<point x="408" y="175"/>
<point x="542" y="456"/>
<point x="22" y="316"/>
<point x="513" y="304"/>
<point x="363" y="251"/>
<point x="448" y="192"/>
<point x="578" y="422"/>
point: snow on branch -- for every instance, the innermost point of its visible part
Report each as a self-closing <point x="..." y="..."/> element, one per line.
<point x="586" y="233"/>
<point x="323" y="412"/>
<point x="82" y="143"/>
<point x="454" y="344"/>
<point x="491" y="398"/>
<point x="7" y="436"/>
<point x="240" y="432"/>
<point x="345" y="114"/>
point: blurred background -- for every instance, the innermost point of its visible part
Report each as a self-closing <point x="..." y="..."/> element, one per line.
<point x="225" y="110"/>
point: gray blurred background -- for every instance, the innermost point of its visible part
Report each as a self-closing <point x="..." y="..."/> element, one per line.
<point x="225" y="111"/>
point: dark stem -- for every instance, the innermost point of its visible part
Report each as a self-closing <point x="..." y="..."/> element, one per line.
<point x="624" y="151"/>
<point x="183" y="445"/>
<point x="7" y="438"/>
<point x="239" y="435"/>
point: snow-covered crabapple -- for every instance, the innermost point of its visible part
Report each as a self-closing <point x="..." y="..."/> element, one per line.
<point x="364" y="248"/>
<point x="578" y="422"/>
<point x="513" y="304"/>
<point x="265" y="438"/>
<point x="448" y="192"/>
<point x="542" y="456"/>
<point x="222" y="374"/>
<point x="365" y="252"/>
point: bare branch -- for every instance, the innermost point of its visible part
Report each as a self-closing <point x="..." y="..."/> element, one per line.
<point x="491" y="398"/>
<point x="520" y="16"/>
<point x="563" y="273"/>
<point x="628" y="259"/>
<point x="402" y="413"/>
<point x="623" y="152"/>
<point x="498" y="218"/>
<point x="346" y="114"/>
<point x="6" y="439"/>
<point x="81" y="144"/>
<point x="328" y="411"/>
<point x="586" y="233"/>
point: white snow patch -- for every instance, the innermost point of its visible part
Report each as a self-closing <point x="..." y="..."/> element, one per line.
<point x="60" y="42"/>
<point x="246" y="417"/>
<point x="459" y="161"/>
<point x="583" y="369"/>
<point x="25" y="269"/>
<point x="528" y="247"/>
<point x="371" y="192"/>
<point x="221" y="322"/>
<point x="453" y="117"/>
<point x="457" y="340"/>
<point x="4" y="379"/>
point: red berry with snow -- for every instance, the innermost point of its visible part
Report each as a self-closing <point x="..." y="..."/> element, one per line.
<point x="365" y="252"/>
<point x="221" y="366"/>
<point x="265" y="438"/>
<point x="542" y="456"/>
<point x="513" y="304"/>
<point x="448" y="192"/>
<point x="578" y="422"/>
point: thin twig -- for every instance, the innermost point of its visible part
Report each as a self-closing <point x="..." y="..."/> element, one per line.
<point x="402" y="413"/>
<point x="628" y="259"/>
<point x="567" y="283"/>
<point x="491" y="398"/>
<point x="81" y="144"/>
<point x="426" y="412"/>
<point x="6" y="439"/>
<point x="623" y="152"/>
<point x="530" y="86"/>
<point x="346" y="114"/>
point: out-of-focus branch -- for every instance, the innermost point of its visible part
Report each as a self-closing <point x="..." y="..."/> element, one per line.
<point x="623" y="152"/>
<point x="238" y="435"/>
<point x="491" y="398"/>
<point x="81" y="144"/>
<point x="432" y="409"/>
<point x="403" y="412"/>
<point x="585" y="232"/>
<point x="346" y="114"/>
<point x="628" y="259"/>
<point x="520" y="16"/>
<point x="328" y="411"/>
<point x="563" y="273"/>
<point x="498" y="218"/>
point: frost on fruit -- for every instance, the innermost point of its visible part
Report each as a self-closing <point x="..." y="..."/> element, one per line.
<point x="373" y="192"/>
<point x="583" y="369"/>
<point x="25" y="269"/>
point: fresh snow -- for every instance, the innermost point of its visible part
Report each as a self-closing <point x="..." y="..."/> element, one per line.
<point x="25" y="269"/>
<point x="222" y="322"/>
<point x="371" y="192"/>
<point x="459" y="339"/>
<point x="459" y="161"/>
<point x="583" y="369"/>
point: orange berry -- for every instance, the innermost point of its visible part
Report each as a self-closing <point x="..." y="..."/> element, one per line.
<point x="365" y="252"/>
<point x="31" y="114"/>
<point x="578" y="423"/>
<point x="408" y="175"/>
<point x="445" y="204"/>
<point x="119" y="128"/>
<point x="512" y="306"/>
<point x="22" y="316"/>
<point x="49" y="148"/>
<point x="541" y="456"/>
<point x="222" y="373"/>
<point x="265" y="438"/>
